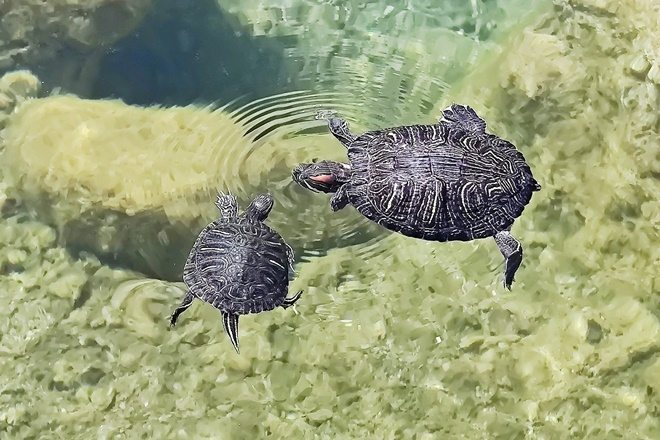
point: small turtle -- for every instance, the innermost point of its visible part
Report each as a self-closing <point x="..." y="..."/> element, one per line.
<point x="441" y="182"/>
<point x="238" y="264"/>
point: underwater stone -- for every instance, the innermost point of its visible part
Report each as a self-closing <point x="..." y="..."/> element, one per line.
<point x="133" y="184"/>
<point x="125" y="182"/>
<point x="594" y="332"/>
<point x="640" y="65"/>
<point x="20" y="84"/>
<point x="654" y="73"/>
<point x="15" y="87"/>
<point x="39" y="284"/>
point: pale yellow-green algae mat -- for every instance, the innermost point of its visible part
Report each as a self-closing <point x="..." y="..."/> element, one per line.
<point x="422" y="341"/>
<point x="136" y="184"/>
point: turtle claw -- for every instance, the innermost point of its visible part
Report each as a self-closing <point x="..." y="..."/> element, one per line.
<point x="325" y="115"/>
<point x="288" y="302"/>
<point x="512" y="264"/>
<point x="187" y="301"/>
<point x="513" y="254"/>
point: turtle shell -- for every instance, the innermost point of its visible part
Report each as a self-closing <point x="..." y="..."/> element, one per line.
<point x="239" y="266"/>
<point x="445" y="181"/>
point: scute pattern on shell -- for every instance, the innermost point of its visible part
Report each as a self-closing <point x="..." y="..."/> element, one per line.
<point x="446" y="181"/>
<point x="239" y="266"/>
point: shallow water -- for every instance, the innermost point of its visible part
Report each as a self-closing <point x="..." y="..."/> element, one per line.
<point x="393" y="337"/>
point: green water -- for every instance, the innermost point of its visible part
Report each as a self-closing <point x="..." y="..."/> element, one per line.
<point x="394" y="338"/>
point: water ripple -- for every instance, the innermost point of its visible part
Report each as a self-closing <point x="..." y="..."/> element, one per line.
<point x="379" y="81"/>
<point x="281" y="131"/>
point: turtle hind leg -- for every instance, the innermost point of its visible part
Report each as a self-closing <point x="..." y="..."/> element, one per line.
<point x="513" y="255"/>
<point x="230" y="323"/>
<point x="187" y="301"/>
<point x="288" y="302"/>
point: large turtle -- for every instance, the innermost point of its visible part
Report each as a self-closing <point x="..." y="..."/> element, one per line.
<point x="446" y="181"/>
<point x="238" y="265"/>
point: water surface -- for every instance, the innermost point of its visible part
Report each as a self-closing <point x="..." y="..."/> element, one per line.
<point x="393" y="337"/>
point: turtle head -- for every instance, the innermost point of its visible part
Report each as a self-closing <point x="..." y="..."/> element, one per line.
<point x="260" y="207"/>
<point x="324" y="176"/>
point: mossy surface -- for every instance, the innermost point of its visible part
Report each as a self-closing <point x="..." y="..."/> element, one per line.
<point x="419" y="340"/>
<point x="94" y="168"/>
<point x="135" y="185"/>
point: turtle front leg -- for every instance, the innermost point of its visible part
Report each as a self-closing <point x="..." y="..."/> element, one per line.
<point x="337" y="126"/>
<point x="339" y="199"/>
<point x="288" y="302"/>
<point x="513" y="254"/>
<point x="227" y="205"/>
<point x="187" y="301"/>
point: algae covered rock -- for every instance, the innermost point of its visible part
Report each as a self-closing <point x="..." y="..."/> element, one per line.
<point x="15" y="87"/>
<point x="46" y="295"/>
<point x="39" y="284"/>
<point x="135" y="185"/>
<point x="94" y="168"/>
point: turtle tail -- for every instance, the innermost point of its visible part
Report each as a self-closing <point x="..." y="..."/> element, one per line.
<point x="230" y="323"/>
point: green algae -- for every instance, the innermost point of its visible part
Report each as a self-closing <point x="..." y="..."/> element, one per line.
<point x="134" y="183"/>
<point x="419" y="341"/>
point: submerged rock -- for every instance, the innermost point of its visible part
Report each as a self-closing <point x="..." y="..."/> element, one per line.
<point x="135" y="185"/>
<point x="125" y="182"/>
<point x="16" y="87"/>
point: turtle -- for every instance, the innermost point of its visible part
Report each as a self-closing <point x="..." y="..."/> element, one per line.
<point x="238" y="264"/>
<point x="446" y="181"/>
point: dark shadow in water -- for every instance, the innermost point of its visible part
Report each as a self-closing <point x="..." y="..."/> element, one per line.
<point x="191" y="51"/>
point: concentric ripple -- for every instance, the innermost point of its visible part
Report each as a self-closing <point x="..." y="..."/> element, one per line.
<point x="280" y="132"/>
<point x="396" y="73"/>
<point x="371" y="92"/>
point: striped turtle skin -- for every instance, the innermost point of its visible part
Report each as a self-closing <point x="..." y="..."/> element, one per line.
<point x="446" y="181"/>
<point x="238" y="264"/>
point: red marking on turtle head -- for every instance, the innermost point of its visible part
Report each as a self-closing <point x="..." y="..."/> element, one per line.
<point x="324" y="178"/>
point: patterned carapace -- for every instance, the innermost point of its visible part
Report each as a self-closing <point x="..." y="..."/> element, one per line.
<point x="446" y="181"/>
